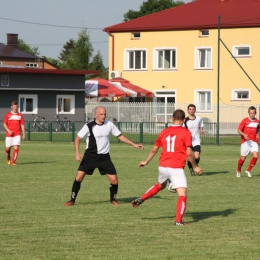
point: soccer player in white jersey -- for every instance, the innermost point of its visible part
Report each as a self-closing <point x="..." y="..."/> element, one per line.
<point x="249" y="131"/>
<point x="13" y="123"/>
<point x="97" y="133"/>
<point x="195" y="125"/>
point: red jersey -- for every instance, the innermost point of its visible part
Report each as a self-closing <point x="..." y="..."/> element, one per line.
<point x="249" y="127"/>
<point x="174" y="141"/>
<point x="14" y="122"/>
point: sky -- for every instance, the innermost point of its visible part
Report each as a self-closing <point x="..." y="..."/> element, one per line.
<point x="49" y="24"/>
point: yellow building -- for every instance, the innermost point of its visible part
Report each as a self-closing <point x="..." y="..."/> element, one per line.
<point x="175" y="53"/>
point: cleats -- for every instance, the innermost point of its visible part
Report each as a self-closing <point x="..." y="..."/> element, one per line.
<point x="137" y="202"/>
<point x="9" y="161"/>
<point x="69" y="203"/>
<point x="238" y="175"/>
<point x="114" y="202"/>
<point x="180" y="223"/>
<point x="192" y="173"/>
<point x="248" y="174"/>
<point x="14" y="164"/>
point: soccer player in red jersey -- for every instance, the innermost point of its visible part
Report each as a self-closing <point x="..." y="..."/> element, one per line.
<point x="176" y="144"/>
<point x="249" y="131"/>
<point x="13" y="123"/>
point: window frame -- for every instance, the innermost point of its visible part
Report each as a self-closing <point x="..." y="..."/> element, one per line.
<point x="127" y="59"/>
<point x="197" y="93"/>
<point x="31" y="65"/>
<point x="134" y="37"/>
<point x="156" y="51"/>
<point x="204" y="35"/>
<point x="35" y="103"/>
<point x="234" y="93"/>
<point x="197" y="59"/>
<point x="72" y="104"/>
<point x="236" y="48"/>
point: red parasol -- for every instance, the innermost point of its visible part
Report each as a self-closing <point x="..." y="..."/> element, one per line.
<point x="98" y="87"/>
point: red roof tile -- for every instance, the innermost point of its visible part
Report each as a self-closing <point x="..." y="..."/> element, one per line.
<point x="200" y="14"/>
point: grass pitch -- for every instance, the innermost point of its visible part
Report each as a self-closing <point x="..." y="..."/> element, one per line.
<point x="222" y="210"/>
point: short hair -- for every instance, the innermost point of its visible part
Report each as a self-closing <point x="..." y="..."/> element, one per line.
<point x="178" y="114"/>
<point x="191" y="105"/>
<point x="14" y="103"/>
<point x="252" y="108"/>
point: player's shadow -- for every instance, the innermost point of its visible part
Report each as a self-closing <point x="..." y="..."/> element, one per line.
<point x="23" y="163"/>
<point x="213" y="173"/>
<point x="198" y="216"/>
<point x="120" y="200"/>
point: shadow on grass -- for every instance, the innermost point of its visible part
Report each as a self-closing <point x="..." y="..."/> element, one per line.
<point x="23" y="163"/>
<point x="120" y="200"/>
<point x="213" y="173"/>
<point x="198" y="216"/>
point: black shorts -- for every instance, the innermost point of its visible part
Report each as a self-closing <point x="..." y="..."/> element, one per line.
<point x="196" y="148"/>
<point x="101" y="161"/>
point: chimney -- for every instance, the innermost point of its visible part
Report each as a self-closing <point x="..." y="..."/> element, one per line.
<point x="12" y="40"/>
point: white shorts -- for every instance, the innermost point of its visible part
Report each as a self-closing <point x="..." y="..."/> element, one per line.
<point x="11" y="141"/>
<point x="176" y="175"/>
<point x="248" y="146"/>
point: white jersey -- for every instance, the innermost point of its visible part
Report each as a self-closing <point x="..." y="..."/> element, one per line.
<point x="194" y="126"/>
<point x="97" y="136"/>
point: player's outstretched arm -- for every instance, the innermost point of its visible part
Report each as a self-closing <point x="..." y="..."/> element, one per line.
<point x="150" y="156"/>
<point x="127" y="141"/>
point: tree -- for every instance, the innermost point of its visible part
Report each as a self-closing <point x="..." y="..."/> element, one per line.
<point x="149" y="7"/>
<point x="67" y="50"/>
<point x="26" y="48"/>
<point x="77" y="54"/>
<point x="97" y="64"/>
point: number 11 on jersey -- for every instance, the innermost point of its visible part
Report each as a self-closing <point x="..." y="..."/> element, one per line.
<point x="170" y="143"/>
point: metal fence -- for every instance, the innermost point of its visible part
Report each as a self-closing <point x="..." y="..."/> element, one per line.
<point x="139" y="132"/>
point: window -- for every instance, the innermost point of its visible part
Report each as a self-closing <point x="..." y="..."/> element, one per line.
<point x="204" y="33"/>
<point x="135" y="59"/>
<point x="165" y="58"/>
<point x="136" y="35"/>
<point x="203" y="100"/>
<point x="164" y="113"/>
<point x="31" y="65"/>
<point x="28" y="104"/>
<point x="203" y="58"/>
<point x="65" y="104"/>
<point x="242" y="51"/>
<point x="240" y="94"/>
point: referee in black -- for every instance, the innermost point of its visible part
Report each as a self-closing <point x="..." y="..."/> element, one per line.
<point x="96" y="155"/>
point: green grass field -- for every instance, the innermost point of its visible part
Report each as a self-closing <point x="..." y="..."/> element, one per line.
<point x="222" y="211"/>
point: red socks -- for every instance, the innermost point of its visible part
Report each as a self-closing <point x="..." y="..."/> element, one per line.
<point x="15" y="155"/>
<point x="239" y="165"/>
<point x="7" y="152"/>
<point x="252" y="163"/>
<point x="151" y="192"/>
<point x="180" y="208"/>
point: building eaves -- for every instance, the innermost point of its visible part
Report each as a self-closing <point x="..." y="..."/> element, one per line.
<point x="47" y="71"/>
<point x="199" y="14"/>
